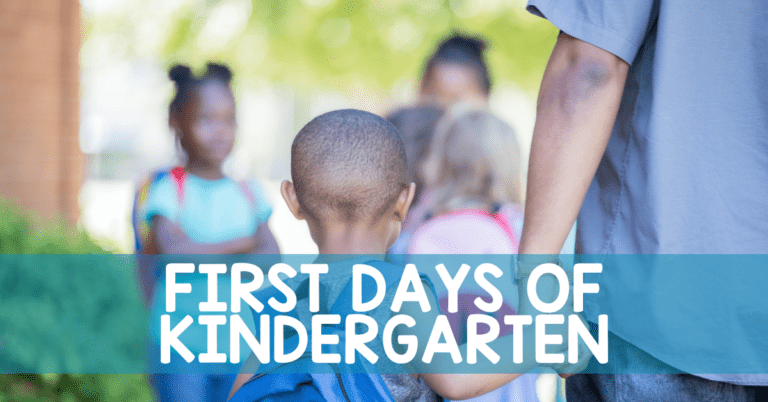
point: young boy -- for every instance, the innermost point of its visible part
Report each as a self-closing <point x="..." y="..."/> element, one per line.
<point x="350" y="185"/>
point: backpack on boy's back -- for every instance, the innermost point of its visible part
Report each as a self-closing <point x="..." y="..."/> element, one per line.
<point x="305" y="380"/>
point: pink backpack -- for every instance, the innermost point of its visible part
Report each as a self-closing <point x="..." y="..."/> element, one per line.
<point x="475" y="231"/>
<point x="469" y="231"/>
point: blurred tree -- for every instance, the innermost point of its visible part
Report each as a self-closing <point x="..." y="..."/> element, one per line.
<point x="70" y="314"/>
<point x="332" y="43"/>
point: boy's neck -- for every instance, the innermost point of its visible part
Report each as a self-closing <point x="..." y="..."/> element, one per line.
<point x="344" y="239"/>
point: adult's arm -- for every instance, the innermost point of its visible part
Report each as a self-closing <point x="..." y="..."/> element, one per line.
<point x="578" y="101"/>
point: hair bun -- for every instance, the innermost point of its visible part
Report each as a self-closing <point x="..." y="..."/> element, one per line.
<point x="219" y="71"/>
<point x="476" y="46"/>
<point x="180" y="74"/>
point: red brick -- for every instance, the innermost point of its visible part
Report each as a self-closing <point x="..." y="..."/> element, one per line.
<point x="39" y="111"/>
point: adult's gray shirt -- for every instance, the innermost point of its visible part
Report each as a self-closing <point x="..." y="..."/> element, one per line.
<point x="686" y="167"/>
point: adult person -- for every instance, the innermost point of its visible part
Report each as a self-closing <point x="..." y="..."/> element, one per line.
<point x="456" y="71"/>
<point x="651" y="127"/>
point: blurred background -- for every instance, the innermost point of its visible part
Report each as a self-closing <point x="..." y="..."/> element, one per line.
<point x="84" y="88"/>
<point x="84" y="110"/>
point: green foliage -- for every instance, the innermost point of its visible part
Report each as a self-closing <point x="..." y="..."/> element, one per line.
<point x="71" y="314"/>
<point x="18" y="235"/>
<point x="334" y="43"/>
<point x="73" y="388"/>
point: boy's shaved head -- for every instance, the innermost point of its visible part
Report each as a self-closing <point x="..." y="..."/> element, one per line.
<point x="348" y="166"/>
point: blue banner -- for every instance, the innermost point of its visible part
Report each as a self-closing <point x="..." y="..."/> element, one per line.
<point x="698" y="314"/>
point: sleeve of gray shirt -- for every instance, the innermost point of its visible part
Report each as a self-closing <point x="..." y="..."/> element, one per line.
<point x="616" y="26"/>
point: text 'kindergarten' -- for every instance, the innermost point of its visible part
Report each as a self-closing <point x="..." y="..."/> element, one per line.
<point x="272" y="328"/>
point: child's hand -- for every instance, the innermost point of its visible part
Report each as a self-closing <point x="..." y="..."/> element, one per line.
<point x="548" y="290"/>
<point x="567" y="369"/>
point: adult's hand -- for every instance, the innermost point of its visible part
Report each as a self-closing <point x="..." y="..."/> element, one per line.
<point x="548" y="290"/>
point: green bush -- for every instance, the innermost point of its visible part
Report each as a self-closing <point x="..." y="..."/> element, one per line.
<point x="71" y="314"/>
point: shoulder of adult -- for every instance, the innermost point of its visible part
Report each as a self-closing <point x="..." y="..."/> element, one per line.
<point x="618" y="27"/>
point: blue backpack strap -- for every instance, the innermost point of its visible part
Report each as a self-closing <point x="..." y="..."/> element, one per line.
<point x="141" y="227"/>
<point x="279" y="388"/>
<point x="302" y="292"/>
<point x="287" y="381"/>
<point x="263" y="296"/>
<point x="391" y="273"/>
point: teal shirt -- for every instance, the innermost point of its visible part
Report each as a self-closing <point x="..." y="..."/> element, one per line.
<point x="211" y="211"/>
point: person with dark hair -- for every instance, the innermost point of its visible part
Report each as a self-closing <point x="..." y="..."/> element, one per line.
<point x="416" y="126"/>
<point x="329" y="160"/>
<point x="197" y="209"/>
<point x="456" y="71"/>
<point x="219" y="215"/>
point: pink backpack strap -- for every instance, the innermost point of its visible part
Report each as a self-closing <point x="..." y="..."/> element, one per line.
<point x="512" y="216"/>
<point x="179" y="175"/>
<point x="246" y="189"/>
<point x="499" y="218"/>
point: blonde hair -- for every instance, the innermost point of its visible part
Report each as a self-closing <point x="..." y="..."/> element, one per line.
<point x="473" y="162"/>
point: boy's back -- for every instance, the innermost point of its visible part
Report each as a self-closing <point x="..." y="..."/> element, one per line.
<point x="350" y="185"/>
<point x="350" y="181"/>
<point x="403" y="387"/>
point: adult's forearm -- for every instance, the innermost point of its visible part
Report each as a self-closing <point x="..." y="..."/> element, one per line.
<point x="578" y="101"/>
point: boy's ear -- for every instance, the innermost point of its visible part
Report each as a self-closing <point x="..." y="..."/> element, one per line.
<point x="404" y="202"/>
<point x="289" y="195"/>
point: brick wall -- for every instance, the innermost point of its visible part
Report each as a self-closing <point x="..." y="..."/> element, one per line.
<point x="40" y="159"/>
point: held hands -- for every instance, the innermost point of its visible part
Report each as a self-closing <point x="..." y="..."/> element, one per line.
<point x="548" y="291"/>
